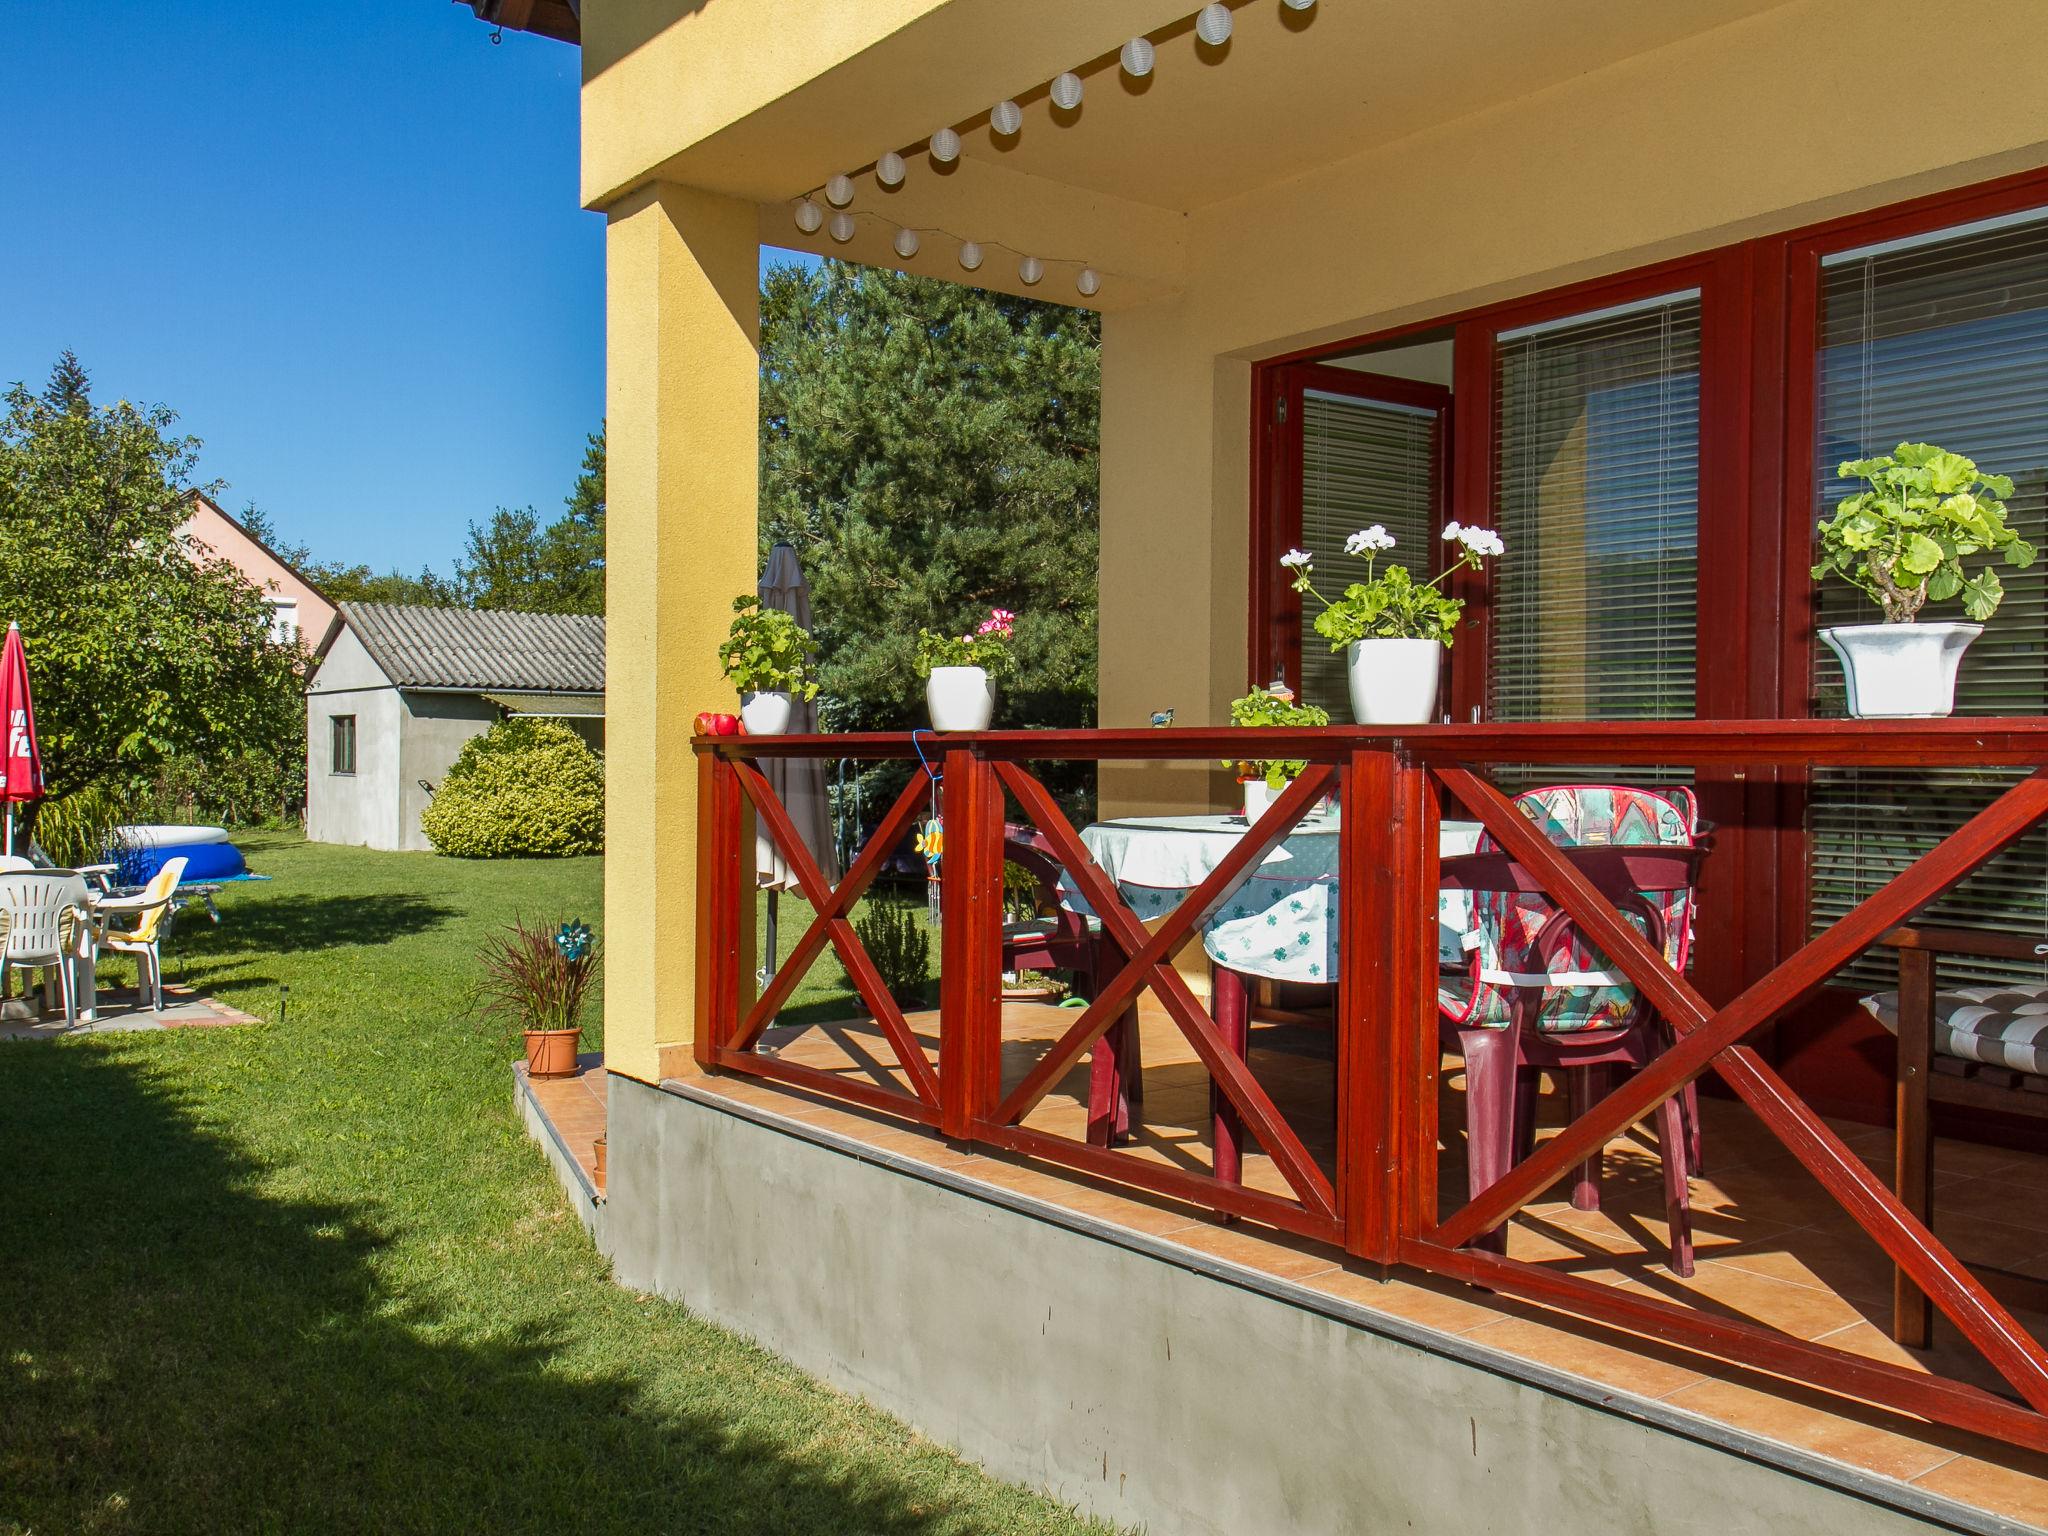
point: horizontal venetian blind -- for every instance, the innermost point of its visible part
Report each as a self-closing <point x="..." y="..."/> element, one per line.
<point x="1596" y="426"/>
<point x="1362" y="462"/>
<point x="1941" y="340"/>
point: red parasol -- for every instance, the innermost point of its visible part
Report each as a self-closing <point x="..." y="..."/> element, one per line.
<point x="21" y="770"/>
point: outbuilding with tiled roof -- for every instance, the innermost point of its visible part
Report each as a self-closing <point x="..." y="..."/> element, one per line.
<point x="402" y="687"/>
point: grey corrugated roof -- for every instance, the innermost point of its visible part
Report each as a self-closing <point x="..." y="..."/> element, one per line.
<point x="420" y="647"/>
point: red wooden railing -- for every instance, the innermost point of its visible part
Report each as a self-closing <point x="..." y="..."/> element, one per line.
<point x="1381" y="1206"/>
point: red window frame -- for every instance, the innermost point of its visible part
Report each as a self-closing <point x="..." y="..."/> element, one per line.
<point x="1274" y="638"/>
<point x="1759" y="344"/>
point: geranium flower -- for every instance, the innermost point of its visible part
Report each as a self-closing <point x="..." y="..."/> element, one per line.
<point x="1369" y="540"/>
<point x="1481" y="541"/>
<point x="1297" y="559"/>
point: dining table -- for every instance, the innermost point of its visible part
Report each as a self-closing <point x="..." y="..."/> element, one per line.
<point x="1280" y="924"/>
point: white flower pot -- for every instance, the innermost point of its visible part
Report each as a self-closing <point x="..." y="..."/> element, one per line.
<point x="1258" y="799"/>
<point x="765" y="714"/>
<point x="960" y="698"/>
<point x="1900" y="671"/>
<point x="1393" y="682"/>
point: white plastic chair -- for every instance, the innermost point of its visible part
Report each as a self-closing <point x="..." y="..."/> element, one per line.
<point x="148" y="915"/>
<point x="45" y="917"/>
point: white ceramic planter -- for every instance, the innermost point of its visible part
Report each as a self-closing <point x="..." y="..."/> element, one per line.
<point x="1900" y="671"/>
<point x="1258" y="799"/>
<point x="960" y="698"/>
<point x="1393" y="682"/>
<point x="765" y="714"/>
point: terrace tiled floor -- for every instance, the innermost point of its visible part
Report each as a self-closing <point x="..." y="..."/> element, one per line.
<point x="576" y="1108"/>
<point x="1772" y="1246"/>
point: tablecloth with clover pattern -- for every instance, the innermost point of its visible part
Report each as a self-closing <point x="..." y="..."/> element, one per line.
<point x="1281" y="922"/>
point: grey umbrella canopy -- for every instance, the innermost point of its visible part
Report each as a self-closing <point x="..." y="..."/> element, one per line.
<point x="798" y="782"/>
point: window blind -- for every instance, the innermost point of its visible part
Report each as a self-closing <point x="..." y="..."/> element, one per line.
<point x="1596" y="424"/>
<point x="1941" y="340"/>
<point x="1362" y="462"/>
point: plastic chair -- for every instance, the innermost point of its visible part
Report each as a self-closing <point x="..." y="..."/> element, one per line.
<point x="1539" y="995"/>
<point x="45" y="912"/>
<point x="150" y="914"/>
<point x="1067" y="941"/>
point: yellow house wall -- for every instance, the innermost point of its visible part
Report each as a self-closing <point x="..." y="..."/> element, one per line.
<point x="1750" y="128"/>
<point x="1763" y="123"/>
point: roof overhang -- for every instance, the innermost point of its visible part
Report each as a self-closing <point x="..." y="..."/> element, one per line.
<point x="559" y="19"/>
<point x="560" y="706"/>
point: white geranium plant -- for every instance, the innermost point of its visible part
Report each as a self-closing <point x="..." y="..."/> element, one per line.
<point x="1904" y="540"/>
<point x="1390" y="604"/>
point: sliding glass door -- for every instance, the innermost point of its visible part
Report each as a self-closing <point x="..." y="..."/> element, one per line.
<point x="1939" y="338"/>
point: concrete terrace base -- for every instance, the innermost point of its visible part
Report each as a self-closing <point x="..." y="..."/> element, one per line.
<point x="1157" y="1386"/>
<point x="585" y="1198"/>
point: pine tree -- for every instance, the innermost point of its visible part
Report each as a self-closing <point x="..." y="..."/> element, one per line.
<point x="930" y="451"/>
<point x="70" y="386"/>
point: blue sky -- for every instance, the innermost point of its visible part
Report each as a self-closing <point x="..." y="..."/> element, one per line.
<point x="343" y="242"/>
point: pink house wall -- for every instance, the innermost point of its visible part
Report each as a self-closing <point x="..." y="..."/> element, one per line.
<point x="226" y="539"/>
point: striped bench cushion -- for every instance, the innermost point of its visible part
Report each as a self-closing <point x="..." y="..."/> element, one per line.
<point x="1999" y="1026"/>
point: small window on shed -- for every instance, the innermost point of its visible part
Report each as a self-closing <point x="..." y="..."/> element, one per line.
<point x="342" y="737"/>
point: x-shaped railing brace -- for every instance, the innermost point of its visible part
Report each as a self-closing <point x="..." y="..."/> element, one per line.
<point x="1150" y="963"/>
<point x="1709" y="1037"/>
<point x="834" y="907"/>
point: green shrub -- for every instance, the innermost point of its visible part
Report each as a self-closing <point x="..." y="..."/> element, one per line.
<point x="253" y="788"/>
<point x="898" y="940"/>
<point x="536" y="790"/>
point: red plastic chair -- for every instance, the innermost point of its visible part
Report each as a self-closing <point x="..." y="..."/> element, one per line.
<point x="1502" y="1059"/>
<point x="1060" y="939"/>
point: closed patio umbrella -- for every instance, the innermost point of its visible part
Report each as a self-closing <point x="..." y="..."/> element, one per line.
<point x="798" y="782"/>
<point x="21" y="771"/>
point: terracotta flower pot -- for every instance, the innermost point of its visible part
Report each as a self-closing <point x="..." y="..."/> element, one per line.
<point x="551" y="1052"/>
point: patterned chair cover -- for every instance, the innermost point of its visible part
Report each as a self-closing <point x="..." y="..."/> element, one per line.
<point x="1504" y="936"/>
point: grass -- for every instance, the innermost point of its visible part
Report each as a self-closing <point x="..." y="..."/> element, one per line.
<point x="309" y="1274"/>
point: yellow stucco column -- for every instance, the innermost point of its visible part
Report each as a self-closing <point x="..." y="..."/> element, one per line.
<point x="682" y="413"/>
<point x="1175" y="523"/>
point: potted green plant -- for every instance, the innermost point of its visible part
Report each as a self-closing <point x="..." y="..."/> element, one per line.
<point x="1902" y="543"/>
<point x="1263" y="778"/>
<point x="960" y="673"/>
<point x="767" y="655"/>
<point x="1392" y="628"/>
<point x="535" y="982"/>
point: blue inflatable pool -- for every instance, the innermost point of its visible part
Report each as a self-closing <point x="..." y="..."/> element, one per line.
<point x="203" y="861"/>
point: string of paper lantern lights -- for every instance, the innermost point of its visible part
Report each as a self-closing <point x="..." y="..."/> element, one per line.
<point x="1214" y="24"/>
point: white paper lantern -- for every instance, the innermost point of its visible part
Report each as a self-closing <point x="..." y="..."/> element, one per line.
<point x="945" y="146"/>
<point x="1031" y="269"/>
<point x="809" y="216"/>
<point x="842" y="227"/>
<point x="1066" y="91"/>
<point x="970" y="254"/>
<point x="1212" y="25"/>
<point x="1006" y="117"/>
<point x="1137" y="57"/>
<point x="1089" y="282"/>
<point x="889" y="169"/>
<point x="1297" y="5"/>
<point x="839" y="191"/>
<point x="906" y="243"/>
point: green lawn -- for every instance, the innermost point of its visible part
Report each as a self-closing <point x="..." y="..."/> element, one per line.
<point x="310" y="1275"/>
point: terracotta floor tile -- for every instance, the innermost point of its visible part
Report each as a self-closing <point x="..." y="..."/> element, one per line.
<point x="1719" y="1290"/>
<point x="1793" y="1422"/>
<point x="1255" y="1247"/>
<point x="1430" y="1303"/>
<point x="1585" y="1351"/>
<point x="2018" y="1490"/>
